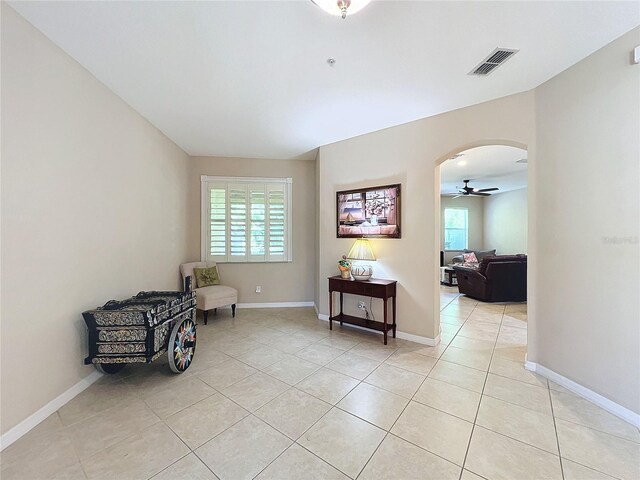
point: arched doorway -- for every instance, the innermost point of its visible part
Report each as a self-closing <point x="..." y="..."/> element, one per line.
<point x="488" y="215"/>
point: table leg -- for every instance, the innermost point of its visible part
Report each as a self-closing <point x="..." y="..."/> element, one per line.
<point x="330" y="310"/>
<point x="385" y="321"/>
<point x="393" y="303"/>
<point x="341" y="301"/>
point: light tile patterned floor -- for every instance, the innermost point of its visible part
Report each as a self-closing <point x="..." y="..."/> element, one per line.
<point x="274" y="394"/>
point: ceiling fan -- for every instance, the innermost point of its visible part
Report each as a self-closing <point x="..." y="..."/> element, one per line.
<point x="467" y="190"/>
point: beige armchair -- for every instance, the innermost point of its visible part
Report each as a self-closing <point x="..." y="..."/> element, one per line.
<point x="212" y="297"/>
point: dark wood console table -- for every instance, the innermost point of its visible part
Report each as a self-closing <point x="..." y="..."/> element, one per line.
<point x="375" y="288"/>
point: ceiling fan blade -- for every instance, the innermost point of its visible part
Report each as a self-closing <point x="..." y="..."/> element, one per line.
<point x="487" y="189"/>
<point x="480" y="194"/>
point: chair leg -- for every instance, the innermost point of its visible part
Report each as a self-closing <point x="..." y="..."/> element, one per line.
<point x="233" y="310"/>
<point x="206" y="316"/>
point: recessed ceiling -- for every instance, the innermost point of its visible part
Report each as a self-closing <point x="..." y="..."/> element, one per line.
<point x="242" y="78"/>
<point x="486" y="167"/>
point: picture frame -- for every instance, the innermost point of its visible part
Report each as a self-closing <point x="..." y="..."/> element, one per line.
<point x="372" y="212"/>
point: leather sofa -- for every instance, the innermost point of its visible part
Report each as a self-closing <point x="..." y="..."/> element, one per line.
<point x="498" y="278"/>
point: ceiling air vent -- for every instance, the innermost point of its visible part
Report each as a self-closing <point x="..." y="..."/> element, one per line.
<point x="493" y="61"/>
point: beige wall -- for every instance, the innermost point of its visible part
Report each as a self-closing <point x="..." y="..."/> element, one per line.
<point x="475" y="208"/>
<point x="408" y="154"/>
<point x="93" y="208"/>
<point x="588" y="222"/>
<point x="505" y="222"/>
<point x="280" y="282"/>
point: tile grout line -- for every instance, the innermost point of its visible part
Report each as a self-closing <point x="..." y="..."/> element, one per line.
<point x="466" y="454"/>
<point x="405" y="408"/>
<point x="359" y="382"/>
<point x="173" y="463"/>
<point x="555" y="429"/>
<point x="388" y="432"/>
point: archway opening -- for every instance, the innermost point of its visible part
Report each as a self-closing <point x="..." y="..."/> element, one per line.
<point x="482" y="197"/>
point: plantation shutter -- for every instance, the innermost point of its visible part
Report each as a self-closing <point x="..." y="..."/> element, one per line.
<point x="218" y="222"/>
<point x="238" y="222"/>
<point x="257" y="235"/>
<point x="246" y="219"/>
<point x="277" y="222"/>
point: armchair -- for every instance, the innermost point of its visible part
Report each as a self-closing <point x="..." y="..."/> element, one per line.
<point x="500" y="278"/>
<point x="212" y="297"/>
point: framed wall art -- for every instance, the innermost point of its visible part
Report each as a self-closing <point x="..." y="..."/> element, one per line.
<point x="369" y="212"/>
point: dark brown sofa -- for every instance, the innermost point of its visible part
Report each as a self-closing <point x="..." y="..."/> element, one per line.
<point x="499" y="278"/>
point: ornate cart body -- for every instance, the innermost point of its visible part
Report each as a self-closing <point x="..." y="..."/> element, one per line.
<point x="142" y="328"/>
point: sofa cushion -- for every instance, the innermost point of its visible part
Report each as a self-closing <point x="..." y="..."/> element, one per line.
<point x="499" y="258"/>
<point x="480" y="254"/>
<point x="215" y="296"/>
<point x="217" y="292"/>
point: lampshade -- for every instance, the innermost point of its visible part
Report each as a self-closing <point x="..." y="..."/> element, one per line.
<point x="361" y="250"/>
<point x="340" y="8"/>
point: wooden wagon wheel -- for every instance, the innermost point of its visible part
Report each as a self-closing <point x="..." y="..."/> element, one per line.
<point x="182" y="345"/>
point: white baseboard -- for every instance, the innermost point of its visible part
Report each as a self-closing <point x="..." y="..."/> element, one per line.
<point x="431" y="342"/>
<point x="33" y="420"/>
<point x="276" y="305"/>
<point x="595" y="398"/>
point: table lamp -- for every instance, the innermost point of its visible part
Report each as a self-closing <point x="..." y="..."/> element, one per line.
<point x="361" y="250"/>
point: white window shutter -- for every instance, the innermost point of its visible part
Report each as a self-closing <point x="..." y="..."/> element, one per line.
<point x="217" y="223"/>
<point x="277" y="223"/>
<point x="257" y="233"/>
<point x="246" y="219"/>
<point x="238" y="222"/>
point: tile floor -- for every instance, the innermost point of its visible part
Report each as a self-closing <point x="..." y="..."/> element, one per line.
<point x="274" y="394"/>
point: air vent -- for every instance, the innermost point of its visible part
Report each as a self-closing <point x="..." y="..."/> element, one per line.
<point x="494" y="60"/>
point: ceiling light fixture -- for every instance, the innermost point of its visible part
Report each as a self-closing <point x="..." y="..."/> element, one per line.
<point x="340" y="7"/>
<point x="462" y="163"/>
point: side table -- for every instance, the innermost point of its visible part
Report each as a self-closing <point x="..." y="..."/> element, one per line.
<point x="375" y="288"/>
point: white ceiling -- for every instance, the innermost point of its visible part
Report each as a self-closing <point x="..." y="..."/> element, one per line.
<point x="242" y="78"/>
<point x="487" y="167"/>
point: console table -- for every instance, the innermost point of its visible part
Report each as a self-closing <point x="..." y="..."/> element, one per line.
<point x="375" y="288"/>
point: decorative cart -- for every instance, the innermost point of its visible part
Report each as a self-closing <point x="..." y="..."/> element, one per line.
<point x="142" y="328"/>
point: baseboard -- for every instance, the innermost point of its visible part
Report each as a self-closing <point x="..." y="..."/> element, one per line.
<point x="276" y="305"/>
<point x="431" y="342"/>
<point x="595" y="398"/>
<point x="33" y="420"/>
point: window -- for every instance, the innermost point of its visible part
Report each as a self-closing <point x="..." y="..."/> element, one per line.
<point x="456" y="223"/>
<point x="246" y="219"/>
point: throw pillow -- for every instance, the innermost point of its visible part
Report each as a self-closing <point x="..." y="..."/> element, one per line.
<point x="469" y="258"/>
<point x="205" y="277"/>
